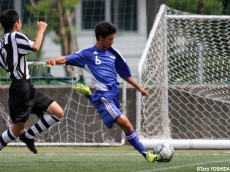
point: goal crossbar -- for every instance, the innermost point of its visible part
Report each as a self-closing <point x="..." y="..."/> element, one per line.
<point x="198" y="17"/>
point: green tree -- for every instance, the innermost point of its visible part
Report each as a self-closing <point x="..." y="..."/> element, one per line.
<point x="208" y="7"/>
<point x="226" y="6"/>
<point x="60" y="15"/>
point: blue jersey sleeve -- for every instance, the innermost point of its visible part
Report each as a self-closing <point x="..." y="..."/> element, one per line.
<point x="75" y="59"/>
<point x="121" y="66"/>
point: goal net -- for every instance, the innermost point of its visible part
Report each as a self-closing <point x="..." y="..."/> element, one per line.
<point x="81" y="125"/>
<point x="185" y="68"/>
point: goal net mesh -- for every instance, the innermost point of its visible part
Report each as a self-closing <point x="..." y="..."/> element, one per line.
<point x="81" y="125"/>
<point x="185" y="68"/>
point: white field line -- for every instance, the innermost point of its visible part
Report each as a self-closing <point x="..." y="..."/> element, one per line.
<point x="105" y="154"/>
<point x="66" y="154"/>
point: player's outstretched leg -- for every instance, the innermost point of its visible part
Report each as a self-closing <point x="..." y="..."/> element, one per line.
<point x="6" y="137"/>
<point x="133" y="138"/>
<point x="134" y="141"/>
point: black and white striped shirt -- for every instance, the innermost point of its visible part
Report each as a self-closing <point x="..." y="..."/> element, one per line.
<point x="13" y="50"/>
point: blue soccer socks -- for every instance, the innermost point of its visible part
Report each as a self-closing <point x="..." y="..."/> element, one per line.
<point x="134" y="141"/>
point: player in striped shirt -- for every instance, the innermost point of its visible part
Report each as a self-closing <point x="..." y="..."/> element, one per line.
<point x="104" y="62"/>
<point x="23" y="97"/>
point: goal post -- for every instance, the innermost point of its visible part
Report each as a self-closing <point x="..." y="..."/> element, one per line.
<point x="185" y="69"/>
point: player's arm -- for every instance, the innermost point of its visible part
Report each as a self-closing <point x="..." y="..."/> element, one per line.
<point x="38" y="41"/>
<point x="138" y="87"/>
<point x="58" y="60"/>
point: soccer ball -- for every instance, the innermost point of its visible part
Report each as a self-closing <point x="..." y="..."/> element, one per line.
<point x="165" y="150"/>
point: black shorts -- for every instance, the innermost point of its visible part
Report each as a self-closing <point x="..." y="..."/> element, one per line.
<point x="24" y="100"/>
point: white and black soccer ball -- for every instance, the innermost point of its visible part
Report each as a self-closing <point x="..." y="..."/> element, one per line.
<point x="165" y="150"/>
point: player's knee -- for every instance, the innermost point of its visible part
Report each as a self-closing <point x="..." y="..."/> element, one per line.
<point x="59" y="114"/>
<point x="56" y="110"/>
<point x="124" y="123"/>
<point x="127" y="127"/>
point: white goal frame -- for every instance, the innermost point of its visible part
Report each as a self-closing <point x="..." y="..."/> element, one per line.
<point x="176" y="143"/>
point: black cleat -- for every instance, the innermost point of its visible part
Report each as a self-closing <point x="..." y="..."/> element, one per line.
<point x="29" y="143"/>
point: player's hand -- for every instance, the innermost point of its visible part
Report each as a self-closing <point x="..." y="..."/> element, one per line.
<point x="1" y="87"/>
<point x="42" y="25"/>
<point x="51" y="61"/>
<point x="143" y="92"/>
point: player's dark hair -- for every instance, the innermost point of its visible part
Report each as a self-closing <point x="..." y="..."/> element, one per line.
<point x="104" y="29"/>
<point x="8" y="18"/>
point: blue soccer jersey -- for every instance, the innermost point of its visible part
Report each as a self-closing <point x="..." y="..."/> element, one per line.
<point x="103" y="65"/>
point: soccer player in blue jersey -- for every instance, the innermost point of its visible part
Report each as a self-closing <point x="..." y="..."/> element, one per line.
<point x="104" y="62"/>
